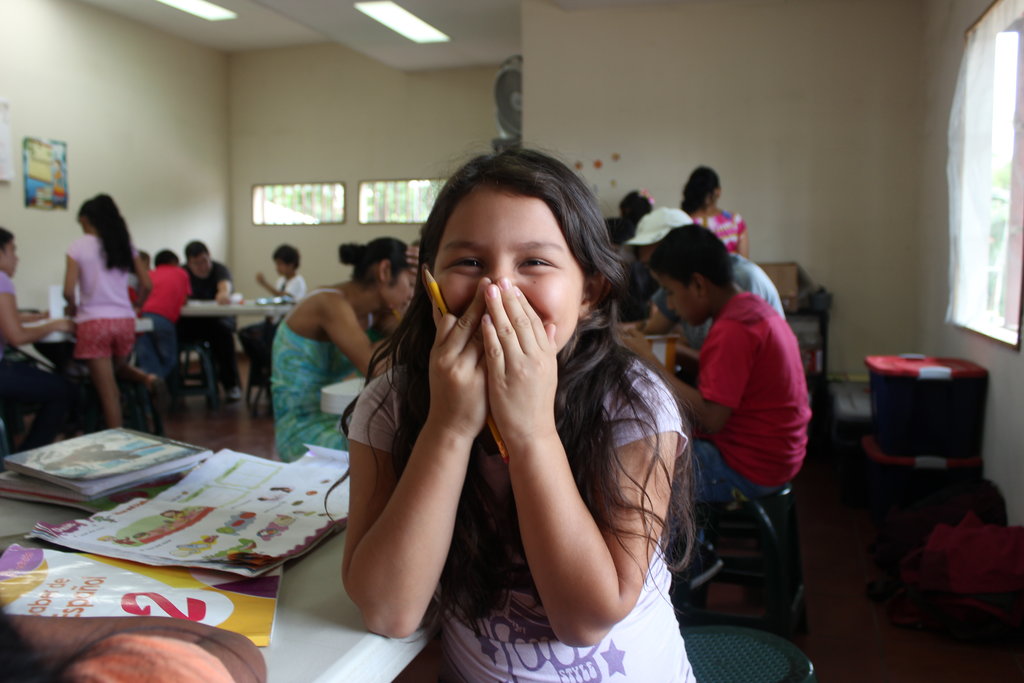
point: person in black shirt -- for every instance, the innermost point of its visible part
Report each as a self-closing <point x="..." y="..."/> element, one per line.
<point x="211" y="281"/>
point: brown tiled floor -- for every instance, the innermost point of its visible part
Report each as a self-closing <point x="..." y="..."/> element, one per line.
<point x="849" y="638"/>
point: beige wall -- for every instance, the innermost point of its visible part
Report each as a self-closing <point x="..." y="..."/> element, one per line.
<point x="810" y="111"/>
<point x="946" y="21"/>
<point x="144" y="116"/>
<point x="326" y="113"/>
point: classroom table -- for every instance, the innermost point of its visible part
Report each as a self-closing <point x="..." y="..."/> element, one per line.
<point x="334" y="398"/>
<point x="211" y="309"/>
<point x="318" y="634"/>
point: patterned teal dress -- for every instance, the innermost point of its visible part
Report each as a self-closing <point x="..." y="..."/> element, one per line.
<point x="300" y="368"/>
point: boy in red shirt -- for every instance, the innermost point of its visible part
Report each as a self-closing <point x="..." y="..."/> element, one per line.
<point x="157" y="351"/>
<point x="750" y="404"/>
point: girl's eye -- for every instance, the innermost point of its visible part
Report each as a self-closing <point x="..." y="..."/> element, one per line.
<point x="534" y="262"/>
<point x="470" y="262"/>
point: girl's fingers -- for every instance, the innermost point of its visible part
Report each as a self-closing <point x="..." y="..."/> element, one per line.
<point x="516" y="323"/>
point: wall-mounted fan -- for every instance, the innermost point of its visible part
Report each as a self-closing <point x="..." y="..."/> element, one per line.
<point x="508" y="101"/>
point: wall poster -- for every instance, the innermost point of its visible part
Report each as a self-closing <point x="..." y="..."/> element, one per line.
<point x="45" y="166"/>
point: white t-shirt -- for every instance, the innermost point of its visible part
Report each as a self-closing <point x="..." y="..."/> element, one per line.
<point x="516" y="641"/>
<point x="295" y="288"/>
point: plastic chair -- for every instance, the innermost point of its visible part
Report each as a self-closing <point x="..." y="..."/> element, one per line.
<point x="201" y="382"/>
<point x="730" y="654"/>
<point x="775" y="566"/>
<point x="137" y="409"/>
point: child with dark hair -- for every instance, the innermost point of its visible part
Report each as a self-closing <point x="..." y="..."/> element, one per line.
<point x="289" y="282"/>
<point x="21" y="382"/>
<point x="700" y="201"/>
<point x="633" y="207"/>
<point x="750" y="404"/>
<point x="325" y="339"/>
<point x="157" y="351"/>
<point x="98" y="265"/>
<point x="533" y="567"/>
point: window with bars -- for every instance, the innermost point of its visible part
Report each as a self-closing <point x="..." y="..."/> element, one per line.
<point x="298" y="204"/>
<point x="397" y="201"/>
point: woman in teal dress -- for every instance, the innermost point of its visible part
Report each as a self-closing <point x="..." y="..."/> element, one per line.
<point x="327" y="338"/>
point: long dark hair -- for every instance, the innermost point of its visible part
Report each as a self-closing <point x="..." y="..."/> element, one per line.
<point x="103" y="214"/>
<point x="703" y="181"/>
<point x="482" y="561"/>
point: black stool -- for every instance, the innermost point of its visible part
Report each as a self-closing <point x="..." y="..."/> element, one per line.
<point x="775" y="566"/>
<point x="201" y="382"/>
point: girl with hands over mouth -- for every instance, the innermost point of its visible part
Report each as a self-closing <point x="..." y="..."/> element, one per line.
<point x="554" y="564"/>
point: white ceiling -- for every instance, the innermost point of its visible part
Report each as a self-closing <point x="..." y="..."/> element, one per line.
<point x="483" y="32"/>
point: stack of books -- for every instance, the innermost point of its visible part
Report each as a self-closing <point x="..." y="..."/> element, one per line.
<point x="97" y="471"/>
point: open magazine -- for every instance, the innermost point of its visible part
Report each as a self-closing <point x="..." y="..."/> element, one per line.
<point x="52" y="583"/>
<point x="235" y="513"/>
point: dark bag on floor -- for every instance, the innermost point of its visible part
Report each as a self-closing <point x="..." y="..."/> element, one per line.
<point x="966" y="580"/>
<point x="906" y="530"/>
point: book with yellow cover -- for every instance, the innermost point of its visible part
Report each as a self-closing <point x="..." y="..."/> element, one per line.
<point x="53" y="583"/>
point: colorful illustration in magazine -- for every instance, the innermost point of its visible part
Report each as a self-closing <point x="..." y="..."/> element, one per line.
<point x="235" y="513"/>
<point x="59" y="584"/>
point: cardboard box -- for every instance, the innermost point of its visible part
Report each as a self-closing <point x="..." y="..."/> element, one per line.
<point x="786" y="278"/>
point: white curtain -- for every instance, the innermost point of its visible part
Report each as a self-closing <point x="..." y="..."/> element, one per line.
<point x="969" y="166"/>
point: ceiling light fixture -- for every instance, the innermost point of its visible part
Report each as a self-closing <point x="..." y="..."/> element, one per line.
<point x="402" y="21"/>
<point x="201" y="9"/>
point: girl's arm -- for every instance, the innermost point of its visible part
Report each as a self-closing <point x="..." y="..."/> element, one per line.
<point x="70" y="282"/>
<point x="400" y="530"/>
<point x="743" y="245"/>
<point x="15" y="334"/>
<point x="145" y="284"/>
<point x="588" y="579"/>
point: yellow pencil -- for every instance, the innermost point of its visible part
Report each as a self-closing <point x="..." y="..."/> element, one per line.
<point x="434" y="291"/>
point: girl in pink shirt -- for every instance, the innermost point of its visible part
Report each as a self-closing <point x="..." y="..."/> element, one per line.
<point x="98" y="264"/>
<point x="700" y="201"/>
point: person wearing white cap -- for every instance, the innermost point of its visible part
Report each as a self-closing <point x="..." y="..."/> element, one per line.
<point x="655" y="227"/>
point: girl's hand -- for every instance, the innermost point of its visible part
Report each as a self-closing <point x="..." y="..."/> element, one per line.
<point x="522" y="367"/>
<point x="458" y="389"/>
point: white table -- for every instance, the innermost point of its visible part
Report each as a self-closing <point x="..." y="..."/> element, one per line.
<point x="318" y="633"/>
<point x="334" y="398"/>
<point x="211" y="309"/>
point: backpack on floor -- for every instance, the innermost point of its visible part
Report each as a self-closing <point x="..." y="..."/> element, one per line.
<point x="967" y="580"/>
<point x="906" y="530"/>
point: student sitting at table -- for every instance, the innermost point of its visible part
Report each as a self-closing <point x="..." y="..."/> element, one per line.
<point x="211" y="281"/>
<point x="749" y="277"/>
<point x="157" y="351"/>
<point x="534" y="567"/>
<point x="289" y="282"/>
<point x="750" y="404"/>
<point x="22" y="382"/>
<point x="324" y="340"/>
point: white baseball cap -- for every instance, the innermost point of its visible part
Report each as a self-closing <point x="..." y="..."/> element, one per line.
<point x="659" y="222"/>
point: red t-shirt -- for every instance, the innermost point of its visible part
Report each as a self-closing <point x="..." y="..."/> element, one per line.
<point x="171" y="289"/>
<point x="751" y="363"/>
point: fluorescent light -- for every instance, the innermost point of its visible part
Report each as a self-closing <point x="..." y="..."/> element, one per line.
<point x="201" y="9"/>
<point x="401" y="21"/>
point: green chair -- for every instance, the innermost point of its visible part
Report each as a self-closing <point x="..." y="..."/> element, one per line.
<point x="734" y="654"/>
<point x="775" y="566"/>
